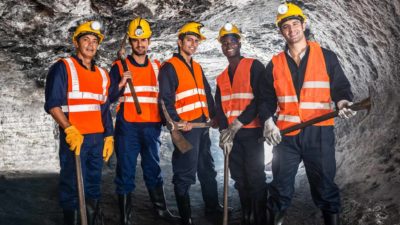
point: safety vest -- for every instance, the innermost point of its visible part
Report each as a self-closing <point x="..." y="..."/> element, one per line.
<point x="87" y="90"/>
<point x="236" y="97"/>
<point x="145" y="82"/>
<point x="315" y="97"/>
<point x="190" y="98"/>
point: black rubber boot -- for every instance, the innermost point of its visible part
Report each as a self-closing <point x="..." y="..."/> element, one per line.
<point x="258" y="216"/>
<point x="71" y="217"/>
<point x="184" y="209"/>
<point x="158" y="199"/>
<point x="93" y="212"/>
<point x="125" y="207"/>
<point x="331" y="219"/>
<point x="274" y="218"/>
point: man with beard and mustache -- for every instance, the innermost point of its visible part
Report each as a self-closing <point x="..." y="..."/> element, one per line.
<point x="239" y="124"/>
<point x="138" y="133"/>
<point x="187" y="97"/>
<point x="305" y="81"/>
<point x="76" y="96"/>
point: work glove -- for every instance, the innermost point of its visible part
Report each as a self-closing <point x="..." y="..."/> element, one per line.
<point x="227" y="147"/>
<point x="74" y="139"/>
<point x="272" y="133"/>
<point x="344" y="111"/>
<point x="108" y="148"/>
<point x="228" y="135"/>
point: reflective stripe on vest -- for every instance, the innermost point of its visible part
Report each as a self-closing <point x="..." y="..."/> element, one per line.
<point x="146" y="87"/>
<point x="81" y="108"/>
<point x="315" y="99"/>
<point x="237" y="96"/>
<point x="190" y="96"/>
<point x="87" y="90"/>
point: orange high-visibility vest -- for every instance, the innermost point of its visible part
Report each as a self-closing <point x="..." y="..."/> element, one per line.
<point x="315" y="97"/>
<point x="190" y="98"/>
<point x="145" y="81"/>
<point x="236" y="97"/>
<point x="87" y="90"/>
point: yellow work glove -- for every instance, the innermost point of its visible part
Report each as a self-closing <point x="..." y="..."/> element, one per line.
<point x="74" y="139"/>
<point x="108" y="148"/>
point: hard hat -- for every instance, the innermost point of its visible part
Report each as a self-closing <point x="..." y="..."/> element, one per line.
<point x="289" y="11"/>
<point x="91" y="27"/>
<point x="228" y="28"/>
<point x="192" y="28"/>
<point x="139" y="28"/>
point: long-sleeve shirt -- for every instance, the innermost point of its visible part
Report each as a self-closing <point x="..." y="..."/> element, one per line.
<point x="257" y="71"/>
<point x="168" y="82"/>
<point x="340" y="87"/>
<point x="57" y="88"/>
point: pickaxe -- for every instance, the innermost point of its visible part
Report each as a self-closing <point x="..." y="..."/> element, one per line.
<point x="364" y="104"/>
<point x="121" y="56"/>
<point x="177" y="138"/>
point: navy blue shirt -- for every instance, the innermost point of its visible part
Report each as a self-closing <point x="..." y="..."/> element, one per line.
<point x="257" y="71"/>
<point x="340" y="87"/>
<point x="56" y="93"/>
<point x="168" y="82"/>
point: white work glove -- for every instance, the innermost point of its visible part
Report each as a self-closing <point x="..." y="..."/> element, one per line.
<point x="225" y="146"/>
<point x="344" y="111"/>
<point x="272" y="133"/>
<point x="227" y="135"/>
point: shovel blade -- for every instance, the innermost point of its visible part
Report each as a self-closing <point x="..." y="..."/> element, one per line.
<point x="181" y="143"/>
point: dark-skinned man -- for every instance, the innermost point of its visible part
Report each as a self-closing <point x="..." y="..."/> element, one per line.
<point x="187" y="96"/>
<point x="239" y="124"/>
<point x="138" y="133"/>
<point x="304" y="81"/>
<point x="77" y="98"/>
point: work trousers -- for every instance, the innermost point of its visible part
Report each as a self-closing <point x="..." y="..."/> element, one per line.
<point x="132" y="139"/>
<point x="197" y="160"/>
<point x="91" y="162"/>
<point x="315" y="145"/>
<point x="246" y="162"/>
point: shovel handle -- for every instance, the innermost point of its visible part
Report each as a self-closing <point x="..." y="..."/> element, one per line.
<point x="226" y="184"/>
<point x="81" y="191"/>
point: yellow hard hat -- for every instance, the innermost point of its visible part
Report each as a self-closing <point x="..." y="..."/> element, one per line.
<point x="288" y="11"/>
<point x="192" y="28"/>
<point x="139" y="28"/>
<point x="228" y="28"/>
<point x="91" y="27"/>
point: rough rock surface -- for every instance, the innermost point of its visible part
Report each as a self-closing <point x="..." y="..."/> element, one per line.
<point x="364" y="34"/>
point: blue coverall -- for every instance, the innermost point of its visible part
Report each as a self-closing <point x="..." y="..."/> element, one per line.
<point x="92" y="147"/>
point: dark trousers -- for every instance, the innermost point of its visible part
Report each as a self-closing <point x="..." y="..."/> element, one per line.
<point x="132" y="139"/>
<point x="315" y="145"/>
<point x="92" y="163"/>
<point x="197" y="160"/>
<point x="246" y="163"/>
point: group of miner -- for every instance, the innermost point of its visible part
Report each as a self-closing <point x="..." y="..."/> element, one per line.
<point x="252" y="102"/>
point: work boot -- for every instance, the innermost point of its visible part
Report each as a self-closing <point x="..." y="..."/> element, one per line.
<point x="257" y="215"/>
<point x="158" y="199"/>
<point x="331" y="219"/>
<point x="246" y="206"/>
<point x="93" y="212"/>
<point x="125" y="207"/>
<point x="218" y="209"/>
<point x="185" y="211"/>
<point x="71" y="217"/>
<point x="275" y="218"/>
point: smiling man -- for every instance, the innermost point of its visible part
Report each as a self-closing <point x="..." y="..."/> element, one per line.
<point x="138" y="133"/>
<point x="305" y="81"/>
<point x="187" y="97"/>
<point x="240" y="126"/>
<point x="77" y="98"/>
